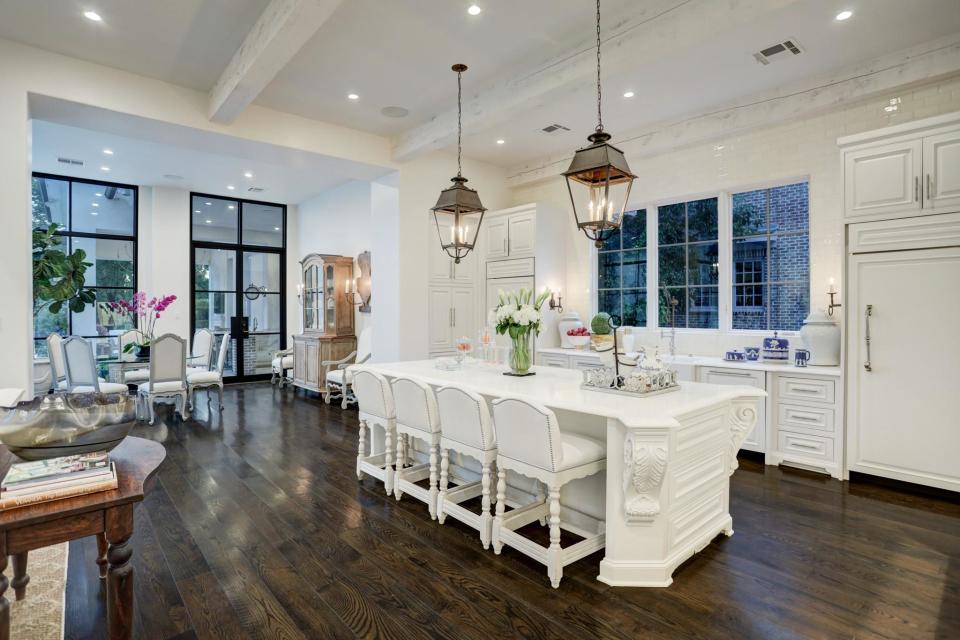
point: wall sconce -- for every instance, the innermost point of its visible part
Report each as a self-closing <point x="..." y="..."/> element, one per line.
<point x="832" y="291"/>
<point x="357" y="290"/>
<point x="556" y="304"/>
<point x="351" y="294"/>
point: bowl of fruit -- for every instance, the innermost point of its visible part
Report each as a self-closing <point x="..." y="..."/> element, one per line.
<point x="579" y="337"/>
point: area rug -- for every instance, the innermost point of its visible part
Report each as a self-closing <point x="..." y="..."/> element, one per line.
<point x="39" y="616"/>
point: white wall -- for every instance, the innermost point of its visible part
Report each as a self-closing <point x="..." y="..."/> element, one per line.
<point x="802" y="148"/>
<point x="163" y="253"/>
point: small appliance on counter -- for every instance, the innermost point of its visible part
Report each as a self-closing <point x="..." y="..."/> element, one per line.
<point x="776" y="349"/>
<point x="568" y="321"/>
<point x="821" y="336"/>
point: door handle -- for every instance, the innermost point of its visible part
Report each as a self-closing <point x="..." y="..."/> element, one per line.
<point x="450" y="316"/>
<point x="869" y="312"/>
<point x="929" y="188"/>
<point x="916" y="188"/>
<point x="454" y="316"/>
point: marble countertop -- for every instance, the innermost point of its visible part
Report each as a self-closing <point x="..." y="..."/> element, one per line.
<point x="713" y="361"/>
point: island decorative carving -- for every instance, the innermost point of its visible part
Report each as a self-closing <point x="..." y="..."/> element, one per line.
<point x="645" y="464"/>
<point x="743" y="417"/>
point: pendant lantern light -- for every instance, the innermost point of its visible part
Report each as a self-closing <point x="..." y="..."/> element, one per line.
<point x="603" y="170"/>
<point x="458" y="233"/>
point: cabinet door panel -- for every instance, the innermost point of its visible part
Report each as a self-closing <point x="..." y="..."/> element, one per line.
<point x="464" y="308"/>
<point x="440" y="318"/>
<point x="883" y="180"/>
<point x="941" y="169"/>
<point x="522" y="234"/>
<point x="496" y="238"/>
<point x="756" y="441"/>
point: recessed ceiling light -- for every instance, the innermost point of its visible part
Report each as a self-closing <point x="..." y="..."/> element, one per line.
<point x="247" y="174"/>
<point x="628" y="94"/>
<point x="231" y="207"/>
<point x="501" y="141"/>
<point x="92" y="15"/>
<point x="93" y="213"/>
<point x="196" y="210"/>
<point x="276" y="228"/>
<point x="209" y="221"/>
<point x="108" y="152"/>
<point x="104" y="168"/>
<point x="94" y="204"/>
<point x="474" y="10"/>
<point x="353" y="96"/>
<point x="844" y="15"/>
<point x="208" y="203"/>
<point x="99" y="195"/>
<point x="231" y="187"/>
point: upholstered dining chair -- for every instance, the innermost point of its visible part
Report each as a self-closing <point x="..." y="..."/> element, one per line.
<point x="339" y="377"/>
<point x="168" y="375"/>
<point x="201" y="352"/>
<point x="209" y="379"/>
<point x="81" y="369"/>
<point x="281" y="364"/>
<point x="57" y="366"/>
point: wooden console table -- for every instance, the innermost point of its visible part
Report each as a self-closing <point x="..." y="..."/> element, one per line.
<point x="107" y="515"/>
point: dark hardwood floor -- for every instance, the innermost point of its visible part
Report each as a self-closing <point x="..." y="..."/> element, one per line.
<point x="258" y="528"/>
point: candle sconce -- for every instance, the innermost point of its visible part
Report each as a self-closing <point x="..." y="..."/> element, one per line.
<point x="556" y="303"/>
<point x="357" y="290"/>
<point x="831" y="291"/>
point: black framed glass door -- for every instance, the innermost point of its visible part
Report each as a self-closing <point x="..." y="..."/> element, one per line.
<point x="238" y="249"/>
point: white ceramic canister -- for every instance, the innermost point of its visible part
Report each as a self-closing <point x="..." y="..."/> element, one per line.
<point x="569" y="320"/>
<point x="821" y="336"/>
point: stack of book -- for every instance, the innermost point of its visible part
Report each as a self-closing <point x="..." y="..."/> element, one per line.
<point x="46" y="480"/>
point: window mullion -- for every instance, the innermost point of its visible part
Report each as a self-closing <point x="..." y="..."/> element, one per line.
<point x="725" y="258"/>
<point x="653" y="268"/>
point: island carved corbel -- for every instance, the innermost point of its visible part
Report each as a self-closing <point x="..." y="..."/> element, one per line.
<point x="645" y="465"/>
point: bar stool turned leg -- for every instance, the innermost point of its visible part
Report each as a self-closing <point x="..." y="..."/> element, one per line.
<point x="501" y="507"/>
<point x="388" y="465"/>
<point x="486" y="519"/>
<point x="433" y="482"/>
<point x="554" y="562"/>
<point x="540" y="499"/>
<point x="362" y="448"/>
<point x="444" y="464"/>
<point x="401" y="459"/>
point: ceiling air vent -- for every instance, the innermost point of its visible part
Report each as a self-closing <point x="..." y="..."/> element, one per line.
<point x="554" y="129"/>
<point x="255" y="189"/>
<point x="70" y="161"/>
<point x="779" y="51"/>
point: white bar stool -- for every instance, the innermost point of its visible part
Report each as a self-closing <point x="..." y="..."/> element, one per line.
<point x="466" y="428"/>
<point x="530" y="443"/>
<point x="375" y="399"/>
<point x="417" y="418"/>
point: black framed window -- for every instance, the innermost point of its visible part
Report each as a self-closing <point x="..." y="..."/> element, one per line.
<point x="101" y="219"/>
<point x="622" y="271"/>
<point x="688" y="263"/>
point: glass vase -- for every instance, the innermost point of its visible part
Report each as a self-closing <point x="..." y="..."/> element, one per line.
<point x="521" y="353"/>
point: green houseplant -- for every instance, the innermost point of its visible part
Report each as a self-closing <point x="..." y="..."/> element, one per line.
<point x="58" y="279"/>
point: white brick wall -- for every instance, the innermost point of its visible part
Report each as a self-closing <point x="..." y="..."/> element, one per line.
<point x="803" y="148"/>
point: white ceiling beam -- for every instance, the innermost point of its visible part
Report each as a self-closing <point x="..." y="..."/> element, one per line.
<point x="881" y="77"/>
<point x="655" y="29"/>
<point x="279" y="33"/>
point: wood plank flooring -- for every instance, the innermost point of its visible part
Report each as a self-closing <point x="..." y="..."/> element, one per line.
<point x="258" y="528"/>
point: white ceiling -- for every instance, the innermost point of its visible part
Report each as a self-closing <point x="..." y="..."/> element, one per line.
<point x="399" y="54"/>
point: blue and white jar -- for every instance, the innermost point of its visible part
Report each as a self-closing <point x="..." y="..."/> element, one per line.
<point x="776" y="349"/>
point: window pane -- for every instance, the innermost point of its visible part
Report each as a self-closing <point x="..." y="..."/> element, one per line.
<point x="789" y="305"/>
<point x="258" y="353"/>
<point x="608" y="270"/>
<point x="213" y="311"/>
<point x="634" y="229"/>
<point x="262" y="270"/>
<point x="112" y="260"/>
<point x="702" y="221"/>
<point x="673" y="266"/>
<point x="634" y="270"/>
<point x="612" y="243"/>
<point x="215" y="269"/>
<point x="214" y="220"/>
<point x="749" y="213"/>
<point x="99" y="208"/>
<point x="262" y="225"/>
<point x="263" y="314"/>
<point x="673" y="315"/>
<point x="635" y="308"/>
<point x="609" y="301"/>
<point x="703" y="308"/>
<point x="45" y="323"/>
<point x="671" y="223"/>
<point x="789" y="208"/>
<point x="703" y="263"/>
<point x="790" y="258"/>
<point x="750" y="307"/>
<point x="50" y="201"/>
<point x="750" y="260"/>
<point x="98" y="319"/>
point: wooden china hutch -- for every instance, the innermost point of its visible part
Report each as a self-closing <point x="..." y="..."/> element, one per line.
<point x="328" y="322"/>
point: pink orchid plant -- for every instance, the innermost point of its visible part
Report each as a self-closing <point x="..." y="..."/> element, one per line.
<point x="146" y="312"/>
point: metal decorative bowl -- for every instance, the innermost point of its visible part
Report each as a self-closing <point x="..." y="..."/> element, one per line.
<point x="61" y="424"/>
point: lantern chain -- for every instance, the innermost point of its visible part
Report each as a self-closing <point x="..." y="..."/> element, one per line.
<point x="459" y="122"/>
<point x="599" y="88"/>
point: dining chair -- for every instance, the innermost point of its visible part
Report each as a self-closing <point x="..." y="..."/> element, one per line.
<point x="135" y="376"/>
<point x="531" y="443"/>
<point x="57" y="367"/>
<point x="81" y="369"/>
<point x="201" y="352"/>
<point x="418" y="418"/>
<point x="280" y="365"/>
<point x="168" y="375"/>
<point x="467" y="429"/>
<point x="377" y="414"/>
<point x="340" y="379"/>
<point x="209" y="379"/>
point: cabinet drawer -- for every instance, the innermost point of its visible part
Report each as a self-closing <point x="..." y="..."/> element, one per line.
<point x="806" y="389"/>
<point x="713" y="375"/>
<point x="806" y="446"/>
<point x="584" y="362"/>
<point x="553" y="360"/>
<point x="792" y="416"/>
<point x="510" y="268"/>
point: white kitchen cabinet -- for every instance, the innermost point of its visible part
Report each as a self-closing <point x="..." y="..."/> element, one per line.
<point x="522" y="234"/>
<point x="941" y="172"/>
<point x="757" y="440"/>
<point x="463" y="302"/>
<point x="451" y="311"/>
<point x="443" y="269"/>
<point x="883" y="180"/>
<point x="496" y="242"/>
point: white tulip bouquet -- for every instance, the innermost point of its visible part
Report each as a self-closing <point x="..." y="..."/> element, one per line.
<point x="518" y="315"/>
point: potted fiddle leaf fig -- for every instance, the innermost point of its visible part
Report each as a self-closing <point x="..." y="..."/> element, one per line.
<point x="58" y="279"/>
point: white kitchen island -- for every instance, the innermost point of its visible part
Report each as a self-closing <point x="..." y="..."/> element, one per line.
<point x="666" y="494"/>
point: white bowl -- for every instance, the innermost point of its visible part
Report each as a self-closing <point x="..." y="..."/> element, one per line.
<point x="579" y="341"/>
